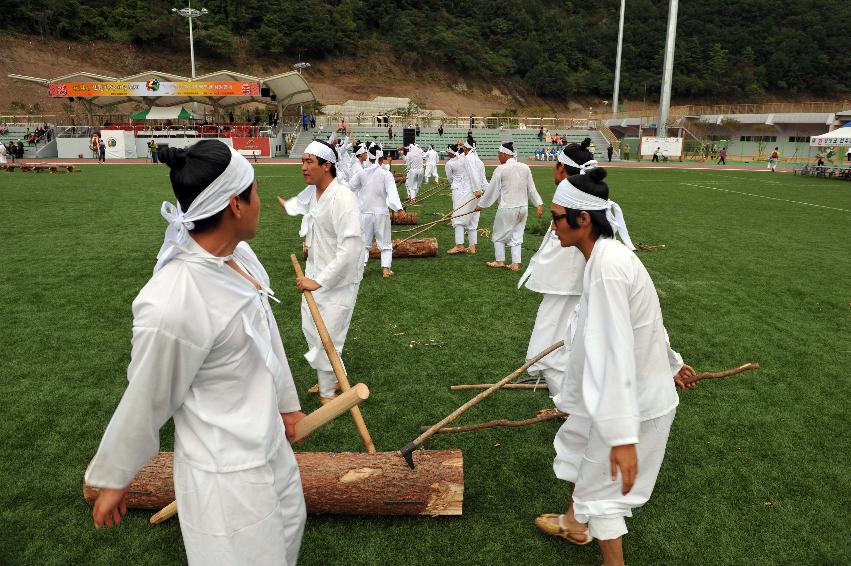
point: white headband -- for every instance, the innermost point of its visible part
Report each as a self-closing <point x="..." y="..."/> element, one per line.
<point x="588" y="165"/>
<point x="503" y="149"/>
<point x="319" y="149"/>
<point x="379" y="153"/>
<point x="237" y="176"/>
<point x="467" y="145"/>
<point x="361" y="149"/>
<point x="568" y="196"/>
<point x="451" y="151"/>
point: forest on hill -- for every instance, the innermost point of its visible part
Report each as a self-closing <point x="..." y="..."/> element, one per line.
<point x="740" y="50"/>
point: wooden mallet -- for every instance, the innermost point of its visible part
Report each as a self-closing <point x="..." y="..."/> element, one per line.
<point x="303" y="428"/>
<point x="407" y="451"/>
<point x="334" y="358"/>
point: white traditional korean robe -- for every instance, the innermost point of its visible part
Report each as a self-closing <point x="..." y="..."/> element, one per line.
<point x="618" y="388"/>
<point x="376" y="192"/>
<point x="556" y="272"/>
<point x="331" y="228"/>
<point x="463" y="218"/>
<point x="431" y="159"/>
<point x="478" y="181"/>
<point x="511" y="184"/>
<point x="414" y="164"/>
<point x="206" y="352"/>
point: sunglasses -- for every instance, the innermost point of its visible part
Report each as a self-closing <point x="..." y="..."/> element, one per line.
<point x="557" y="217"/>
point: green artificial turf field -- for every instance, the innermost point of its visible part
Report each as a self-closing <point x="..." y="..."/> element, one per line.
<point x="757" y="465"/>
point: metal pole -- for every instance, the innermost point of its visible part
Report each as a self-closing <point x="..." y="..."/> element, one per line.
<point x="618" y="61"/>
<point x="191" y="45"/>
<point x="668" y="72"/>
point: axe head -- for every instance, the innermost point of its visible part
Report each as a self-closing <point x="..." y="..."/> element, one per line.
<point x="407" y="452"/>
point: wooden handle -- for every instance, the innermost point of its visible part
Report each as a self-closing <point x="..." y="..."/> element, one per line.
<point x="164" y="514"/>
<point x="333" y="357"/>
<point x="330" y="411"/>
<point x="457" y="412"/>
<point x="321" y="416"/>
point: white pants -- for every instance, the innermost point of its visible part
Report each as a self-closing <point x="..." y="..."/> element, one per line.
<point x="550" y="327"/>
<point x="253" y="516"/>
<point x="431" y="171"/>
<point x="413" y="182"/>
<point x="336" y="306"/>
<point x="499" y="252"/>
<point x="468" y="223"/>
<point x="377" y="227"/>
<point x="582" y="458"/>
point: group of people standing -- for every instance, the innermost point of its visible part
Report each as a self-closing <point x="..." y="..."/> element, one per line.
<point x="206" y="350"/>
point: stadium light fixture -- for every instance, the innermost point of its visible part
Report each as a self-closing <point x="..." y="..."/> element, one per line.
<point x="190" y="14"/>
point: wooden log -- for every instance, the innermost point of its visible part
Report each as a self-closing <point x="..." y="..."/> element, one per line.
<point x="403" y="217"/>
<point x="345" y="483"/>
<point x="415" y="247"/>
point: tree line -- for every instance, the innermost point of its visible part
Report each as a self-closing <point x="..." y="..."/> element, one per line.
<point x="737" y="50"/>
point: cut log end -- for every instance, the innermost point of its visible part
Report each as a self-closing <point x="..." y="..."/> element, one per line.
<point x="403" y="217"/>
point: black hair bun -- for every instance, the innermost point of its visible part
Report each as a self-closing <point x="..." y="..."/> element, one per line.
<point x="597" y="174"/>
<point x="509" y="145"/>
<point x="174" y="157"/>
<point x="585" y="143"/>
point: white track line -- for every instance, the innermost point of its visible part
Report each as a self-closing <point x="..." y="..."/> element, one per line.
<point x="764" y="196"/>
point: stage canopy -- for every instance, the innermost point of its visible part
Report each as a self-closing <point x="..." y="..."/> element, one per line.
<point x="163" y="113"/>
<point x="840" y="136"/>
<point x="221" y="89"/>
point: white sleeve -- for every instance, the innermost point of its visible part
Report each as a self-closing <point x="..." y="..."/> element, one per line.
<point x="356" y="182"/>
<point x="609" y="385"/>
<point x="391" y="194"/>
<point x="674" y="358"/>
<point x="162" y="368"/>
<point x="300" y="204"/>
<point x="531" y="190"/>
<point x="494" y="189"/>
<point x="349" y="246"/>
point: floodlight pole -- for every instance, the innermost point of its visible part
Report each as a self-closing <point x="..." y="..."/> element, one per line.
<point x="668" y="71"/>
<point x="618" y="61"/>
<point x="190" y="13"/>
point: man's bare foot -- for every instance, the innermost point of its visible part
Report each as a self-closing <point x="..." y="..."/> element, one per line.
<point x="457" y="249"/>
<point x="387" y="273"/>
<point x="472" y="250"/>
<point x="514" y="267"/>
<point x="495" y="264"/>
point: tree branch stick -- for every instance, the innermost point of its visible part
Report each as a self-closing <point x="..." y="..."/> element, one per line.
<point x="547" y="415"/>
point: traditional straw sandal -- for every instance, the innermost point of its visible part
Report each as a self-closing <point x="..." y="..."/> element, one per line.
<point x="496" y="264"/>
<point x="560" y="530"/>
<point x="315" y="389"/>
<point x="455" y="250"/>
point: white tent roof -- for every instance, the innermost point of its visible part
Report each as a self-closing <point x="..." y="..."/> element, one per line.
<point x="840" y="136"/>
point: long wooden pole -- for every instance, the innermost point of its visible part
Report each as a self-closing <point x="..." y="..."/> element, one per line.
<point x="303" y="428"/>
<point x="334" y="358"/>
<point x="407" y="450"/>
<point x="546" y="415"/>
<point x="543" y="387"/>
